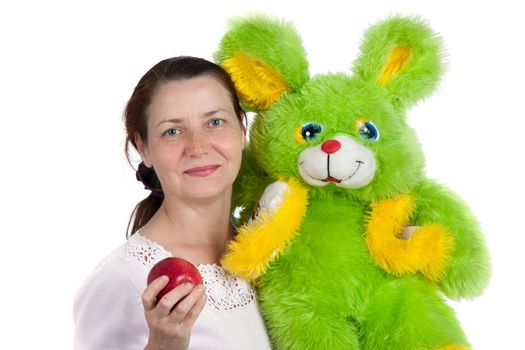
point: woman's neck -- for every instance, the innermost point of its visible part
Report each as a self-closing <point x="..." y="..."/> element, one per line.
<point x="187" y="225"/>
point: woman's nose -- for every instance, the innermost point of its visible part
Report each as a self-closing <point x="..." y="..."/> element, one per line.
<point x="198" y="143"/>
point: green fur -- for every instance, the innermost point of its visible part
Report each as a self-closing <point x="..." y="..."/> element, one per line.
<point x="252" y="180"/>
<point x="326" y="291"/>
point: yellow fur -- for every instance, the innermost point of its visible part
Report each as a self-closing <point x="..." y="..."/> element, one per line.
<point x="426" y="251"/>
<point x="399" y="55"/>
<point x="259" y="242"/>
<point x="454" y="347"/>
<point x="299" y="136"/>
<point x="257" y="83"/>
<point x="359" y="123"/>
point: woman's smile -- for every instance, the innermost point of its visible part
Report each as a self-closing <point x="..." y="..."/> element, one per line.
<point x="202" y="171"/>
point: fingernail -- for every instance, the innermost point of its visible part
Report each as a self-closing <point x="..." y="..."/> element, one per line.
<point x="164" y="278"/>
<point x="188" y="285"/>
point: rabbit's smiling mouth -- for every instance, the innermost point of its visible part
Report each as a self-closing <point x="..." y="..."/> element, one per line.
<point x="333" y="179"/>
<point x="330" y="178"/>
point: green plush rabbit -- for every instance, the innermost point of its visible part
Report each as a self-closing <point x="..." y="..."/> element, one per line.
<point x="351" y="245"/>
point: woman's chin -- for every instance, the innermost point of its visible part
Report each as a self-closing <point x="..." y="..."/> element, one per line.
<point x="207" y="191"/>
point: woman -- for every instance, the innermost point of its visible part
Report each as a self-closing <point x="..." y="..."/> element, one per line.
<point x="185" y="121"/>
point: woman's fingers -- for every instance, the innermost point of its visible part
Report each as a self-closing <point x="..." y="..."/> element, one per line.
<point x="189" y="311"/>
<point x="182" y="305"/>
<point x="149" y="296"/>
<point x="173" y="316"/>
<point x="195" y="311"/>
<point x="187" y="306"/>
<point x="166" y="304"/>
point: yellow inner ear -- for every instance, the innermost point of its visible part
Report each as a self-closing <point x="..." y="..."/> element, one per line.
<point x="257" y="83"/>
<point x="394" y="64"/>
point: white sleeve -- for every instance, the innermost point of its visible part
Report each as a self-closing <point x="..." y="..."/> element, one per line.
<point x="108" y="312"/>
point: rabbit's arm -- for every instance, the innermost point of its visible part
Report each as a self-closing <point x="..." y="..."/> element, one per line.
<point x="275" y="222"/>
<point x="400" y="250"/>
<point x="467" y="269"/>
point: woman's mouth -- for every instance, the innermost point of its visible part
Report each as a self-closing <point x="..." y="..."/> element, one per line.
<point x="202" y="171"/>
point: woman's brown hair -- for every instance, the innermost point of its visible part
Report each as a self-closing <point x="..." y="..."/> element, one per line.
<point x="135" y="119"/>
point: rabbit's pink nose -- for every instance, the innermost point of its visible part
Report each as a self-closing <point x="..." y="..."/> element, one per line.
<point x="330" y="146"/>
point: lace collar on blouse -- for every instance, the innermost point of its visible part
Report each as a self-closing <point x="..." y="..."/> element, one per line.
<point x="224" y="292"/>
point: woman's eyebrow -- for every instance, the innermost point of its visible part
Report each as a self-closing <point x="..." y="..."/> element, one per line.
<point x="174" y="120"/>
<point x="178" y="120"/>
<point x="210" y="113"/>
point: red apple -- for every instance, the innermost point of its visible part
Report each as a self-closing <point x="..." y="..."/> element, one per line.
<point x="178" y="270"/>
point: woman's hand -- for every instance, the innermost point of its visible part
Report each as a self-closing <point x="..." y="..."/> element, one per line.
<point x="171" y="318"/>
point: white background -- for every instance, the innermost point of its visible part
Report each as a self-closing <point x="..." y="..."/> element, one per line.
<point x="67" y="70"/>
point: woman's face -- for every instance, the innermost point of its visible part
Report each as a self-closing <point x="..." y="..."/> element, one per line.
<point x="194" y="140"/>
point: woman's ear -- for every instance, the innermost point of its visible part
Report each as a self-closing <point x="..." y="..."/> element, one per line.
<point x="142" y="147"/>
<point x="265" y="58"/>
<point x="403" y="56"/>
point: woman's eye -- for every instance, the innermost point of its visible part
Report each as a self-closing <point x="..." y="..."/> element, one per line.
<point x="369" y="131"/>
<point x="308" y="132"/>
<point x="171" y="132"/>
<point x="216" y="122"/>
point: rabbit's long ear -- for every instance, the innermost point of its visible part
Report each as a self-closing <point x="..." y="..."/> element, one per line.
<point x="403" y="56"/>
<point x="265" y="59"/>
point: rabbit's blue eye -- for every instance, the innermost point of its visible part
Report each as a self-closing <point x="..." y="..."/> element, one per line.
<point x="369" y="131"/>
<point x="310" y="131"/>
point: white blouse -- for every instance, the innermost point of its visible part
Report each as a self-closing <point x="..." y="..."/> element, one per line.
<point x="108" y="311"/>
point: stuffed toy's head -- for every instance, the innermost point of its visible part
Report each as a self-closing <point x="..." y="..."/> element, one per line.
<point x="338" y="133"/>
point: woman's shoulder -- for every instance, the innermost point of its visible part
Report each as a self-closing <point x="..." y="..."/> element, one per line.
<point x="127" y="264"/>
<point x="109" y="298"/>
<point x="107" y="276"/>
